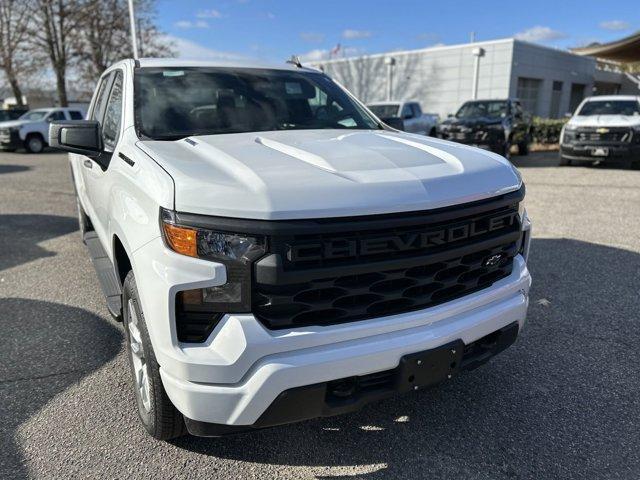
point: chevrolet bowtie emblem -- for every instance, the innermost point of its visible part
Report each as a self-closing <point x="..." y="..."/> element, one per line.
<point x="602" y="130"/>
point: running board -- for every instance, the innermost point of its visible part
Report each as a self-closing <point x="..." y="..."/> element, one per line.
<point x="106" y="274"/>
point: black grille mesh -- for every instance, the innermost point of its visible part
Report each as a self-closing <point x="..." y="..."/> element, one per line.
<point x="356" y="297"/>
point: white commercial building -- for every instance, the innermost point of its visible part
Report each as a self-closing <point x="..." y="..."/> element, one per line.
<point x="550" y="82"/>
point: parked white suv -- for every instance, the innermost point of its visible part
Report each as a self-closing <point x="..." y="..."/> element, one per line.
<point x="31" y="130"/>
<point x="603" y="129"/>
<point x="277" y="254"/>
<point x="413" y="119"/>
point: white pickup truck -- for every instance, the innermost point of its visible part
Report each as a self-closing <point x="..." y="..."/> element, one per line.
<point x="278" y="254"/>
<point x="31" y="130"/>
<point x="603" y="129"/>
<point x="413" y="119"/>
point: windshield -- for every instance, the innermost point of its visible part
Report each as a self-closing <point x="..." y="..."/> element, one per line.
<point x="490" y="109"/>
<point x="173" y="103"/>
<point x="611" y="107"/>
<point x="34" y="115"/>
<point x="384" y="111"/>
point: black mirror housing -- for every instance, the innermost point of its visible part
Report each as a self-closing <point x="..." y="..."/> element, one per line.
<point x="76" y="136"/>
<point x="394" y="122"/>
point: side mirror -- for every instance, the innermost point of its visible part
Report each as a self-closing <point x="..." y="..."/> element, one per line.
<point x="394" y="122"/>
<point x="76" y="136"/>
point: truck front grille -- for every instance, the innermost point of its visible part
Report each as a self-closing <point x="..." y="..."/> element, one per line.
<point x="334" y="276"/>
<point x="602" y="135"/>
<point x="386" y="292"/>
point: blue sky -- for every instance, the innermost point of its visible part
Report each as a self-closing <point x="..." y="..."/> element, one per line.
<point x="274" y="29"/>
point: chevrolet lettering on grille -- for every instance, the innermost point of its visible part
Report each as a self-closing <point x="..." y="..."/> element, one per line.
<point x="411" y="240"/>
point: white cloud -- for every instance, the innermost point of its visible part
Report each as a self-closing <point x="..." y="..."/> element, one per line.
<point x="312" y="37"/>
<point x="194" y="51"/>
<point x="615" y="25"/>
<point x="186" y="24"/>
<point x="213" y="13"/>
<point x="354" y="34"/>
<point x="539" y="34"/>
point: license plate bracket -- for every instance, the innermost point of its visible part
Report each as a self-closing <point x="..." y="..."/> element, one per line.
<point x="430" y="367"/>
<point x="599" y="152"/>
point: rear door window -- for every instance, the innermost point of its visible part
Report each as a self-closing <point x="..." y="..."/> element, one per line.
<point x="56" y="115"/>
<point x="75" y="115"/>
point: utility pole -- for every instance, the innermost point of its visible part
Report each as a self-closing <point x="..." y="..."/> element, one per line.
<point x="132" y="22"/>
<point x="389" y="62"/>
<point x="477" y="52"/>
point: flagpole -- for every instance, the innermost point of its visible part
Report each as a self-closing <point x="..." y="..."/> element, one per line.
<point x="132" y="21"/>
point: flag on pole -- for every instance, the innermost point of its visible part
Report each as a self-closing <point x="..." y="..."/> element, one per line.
<point x="335" y="50"/>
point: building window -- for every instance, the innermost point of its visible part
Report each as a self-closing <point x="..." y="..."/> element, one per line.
<point x="577" y="94"/>
<point x="528" y="93"/>
<point x="556" y="97"/>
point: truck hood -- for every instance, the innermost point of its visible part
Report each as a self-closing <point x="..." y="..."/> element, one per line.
<point x="14" y="123"/>
<point x="475" y="122"/>
<point x="605" y="121"/>
<point x="326" y="173"/>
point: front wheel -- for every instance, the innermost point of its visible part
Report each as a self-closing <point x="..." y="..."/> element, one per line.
<point x="34" y="143"/>
<point x="506" y="150"/>
<point x="523" y="146"/>
<point x="158" y="415"/>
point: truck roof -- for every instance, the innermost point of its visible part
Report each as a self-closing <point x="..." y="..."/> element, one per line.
<point x="240" y="63"/>
<point x="608" y="98"/>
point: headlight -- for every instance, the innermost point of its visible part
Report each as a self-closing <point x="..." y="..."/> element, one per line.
<point x="209" y="244"/>
<point x="199" y="310"/>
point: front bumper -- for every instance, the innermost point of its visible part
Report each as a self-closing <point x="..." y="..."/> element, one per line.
<point x="234" y="377"/>
<point x="345" y="395"/>
<point x="493" y="141"/>
<point x="10" y="139"/>
<point x="589" y="151"/>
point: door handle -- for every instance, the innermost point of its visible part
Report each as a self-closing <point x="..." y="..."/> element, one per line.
<point x="88" y="163"/>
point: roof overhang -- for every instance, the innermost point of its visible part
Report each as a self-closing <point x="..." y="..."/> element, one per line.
<point x="624" y="50"/>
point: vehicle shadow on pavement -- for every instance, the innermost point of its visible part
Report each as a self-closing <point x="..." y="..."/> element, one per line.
<point x="563" y="402"/>
<point x="13" y="168"/>
<point x="46" y="347"/>
<point x="20" y="235"/>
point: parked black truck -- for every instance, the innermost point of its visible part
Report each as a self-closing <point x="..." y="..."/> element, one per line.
<point x="494" y="125"/>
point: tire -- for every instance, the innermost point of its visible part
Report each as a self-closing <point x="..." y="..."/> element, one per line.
<point x="564" y="162"/>
<point x="156" y="412"/>
<point x="523" y="147"/>
<point x="433" y="132"/>
<point x="84" y="222"/>
<point x="506" y="150"/>
<point x="34" y="143"/>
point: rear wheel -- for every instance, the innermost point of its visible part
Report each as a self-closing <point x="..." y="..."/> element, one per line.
<point x="158" y="415"/>
<point x="34" y="143"/>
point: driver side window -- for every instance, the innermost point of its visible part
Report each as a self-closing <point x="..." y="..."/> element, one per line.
<point x="113" y="115"/>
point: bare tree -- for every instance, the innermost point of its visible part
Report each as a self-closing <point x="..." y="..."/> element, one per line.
<point x="105" y="38"/>
<point x="14" y="20"/>
<point x="53" y="29"/>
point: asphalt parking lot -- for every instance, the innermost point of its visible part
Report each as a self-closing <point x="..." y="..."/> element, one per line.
<point x="564" y="402"/>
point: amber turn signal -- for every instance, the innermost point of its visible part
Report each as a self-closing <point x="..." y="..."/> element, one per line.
<point x="181" y="240"/>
